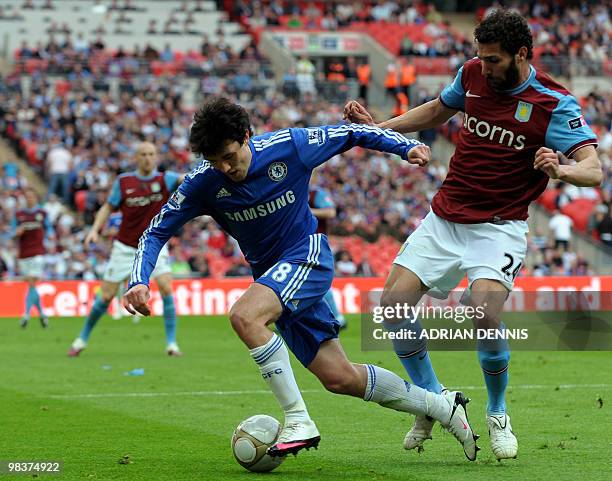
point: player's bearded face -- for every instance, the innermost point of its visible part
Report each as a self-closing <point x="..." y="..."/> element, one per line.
<point x="499" y="68"/>
<point x="508" y="80"/>
<point x="500" y="78"/>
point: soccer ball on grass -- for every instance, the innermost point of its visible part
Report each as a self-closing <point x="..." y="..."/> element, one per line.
<point x="251" y="440"/>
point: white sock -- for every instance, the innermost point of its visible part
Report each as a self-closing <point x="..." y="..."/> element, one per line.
<point x="273" y="361"/>
<point x="391" y="391"/>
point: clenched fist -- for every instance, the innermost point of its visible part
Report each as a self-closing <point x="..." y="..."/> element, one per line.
<point x="356" y="113"/>
<point x="419" y="155"/>
<point x="136" y="300"/>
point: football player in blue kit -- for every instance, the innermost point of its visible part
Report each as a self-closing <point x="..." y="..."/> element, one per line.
<point x="256" y="188"/>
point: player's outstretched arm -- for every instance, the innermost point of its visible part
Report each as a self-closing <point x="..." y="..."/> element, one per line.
<point x="586" y="172"/>
<point x="101" y="218"/>
<point x="423" y="117"/>
<point x="185" y="204"/>
<point x="316" y="145"/>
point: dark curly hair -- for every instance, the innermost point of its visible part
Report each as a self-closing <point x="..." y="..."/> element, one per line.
<point x="218" y="120"/>
<point x="509" y="29"/>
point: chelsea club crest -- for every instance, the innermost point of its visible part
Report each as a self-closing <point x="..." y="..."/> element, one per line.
<point x="277" y="171"/>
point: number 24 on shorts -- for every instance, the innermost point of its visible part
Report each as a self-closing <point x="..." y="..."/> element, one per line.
<point x="506" y="269"/>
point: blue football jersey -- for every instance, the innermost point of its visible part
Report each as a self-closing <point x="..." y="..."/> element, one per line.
<point x="267" y="212"/>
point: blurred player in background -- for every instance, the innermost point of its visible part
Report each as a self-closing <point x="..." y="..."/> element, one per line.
<point x="139" y="195"/>
<point x="31" y="225"/>
<point x="256" y="188"/>
<point x="324" y="209"/>
<point x="519" y="129"/>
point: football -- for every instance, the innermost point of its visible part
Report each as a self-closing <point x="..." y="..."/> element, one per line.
<point x="251" y="440"/>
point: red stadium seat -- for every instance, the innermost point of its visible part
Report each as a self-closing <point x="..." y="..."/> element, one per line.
<point x="549" y="198"/>
<point x="80" y="200"/>
<point x="32" y="153"/>
<point x="580" y="210"/>
<point x="157" y="68"/>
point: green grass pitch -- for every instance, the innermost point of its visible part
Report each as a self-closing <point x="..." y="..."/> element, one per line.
<point x="175" y="422"/>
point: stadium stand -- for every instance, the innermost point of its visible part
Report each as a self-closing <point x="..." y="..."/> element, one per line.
<point x="90" y="93"/>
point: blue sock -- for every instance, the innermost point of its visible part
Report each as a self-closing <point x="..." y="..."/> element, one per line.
<point x="97" y="311"/>
<point x="494" y="364"/>
<point x="169" y="318"/>
<point x="36" y="300"/>
<point x="331" y="302"/>
<point x="414" y="357"/>
<point x="29" y="302"/>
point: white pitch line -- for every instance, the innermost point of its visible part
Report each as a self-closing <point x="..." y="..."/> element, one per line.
<point x="308" y="391"/>
<point x="161" y="394"/>
<point x="543" y="386"/>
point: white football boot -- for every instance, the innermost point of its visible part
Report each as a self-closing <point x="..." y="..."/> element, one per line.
<point x="77" y="347"/>
<point x="173" y="350"/>
<point x="458" y="424"/>
<point x="294" y="437"/>
<point x="420" y="431"/>
<point x="503" y="441"/>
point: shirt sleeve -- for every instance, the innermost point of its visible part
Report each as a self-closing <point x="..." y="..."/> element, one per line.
<point x="453" y="95"/>
<point x="316" y="145"/>
<point x="171" y="180"/>
<point x="114" y="198"/>
<point x="322" y="200"/>
<point x="185" y="204"/>
<point x="567" y="130"/>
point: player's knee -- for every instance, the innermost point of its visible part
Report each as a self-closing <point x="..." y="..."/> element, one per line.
<point x="239" y="319"/>
<point x="107" y="292"/>
<point x="340" y="381"/>
<point x="165" y="289"/>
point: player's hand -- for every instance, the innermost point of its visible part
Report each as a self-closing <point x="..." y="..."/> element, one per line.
<point x="19" y="231"/>
<point x="356" y="113"/>
<point x="419" y="155"/>
<point x="548" y="161"/>
<point x="136" y="300"/>
<point x="90" y="238"/>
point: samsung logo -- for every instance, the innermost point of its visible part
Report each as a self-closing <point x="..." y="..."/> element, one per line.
<point x="262" y="210"/>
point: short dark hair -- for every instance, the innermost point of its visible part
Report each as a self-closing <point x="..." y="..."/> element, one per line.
<point x="218" y="120"/>
<point x="508" y="28"/>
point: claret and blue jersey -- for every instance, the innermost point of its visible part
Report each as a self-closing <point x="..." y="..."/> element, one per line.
<point x="268" y="214"/>
<point x="491" y="175"/>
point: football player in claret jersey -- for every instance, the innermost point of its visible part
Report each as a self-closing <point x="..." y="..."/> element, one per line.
<point x="324" y="209"/>
<point x="520" y="129"/>
<point x="256" y="188"/>
<point x="31" y="225"/>
<point x="139" y="195"/>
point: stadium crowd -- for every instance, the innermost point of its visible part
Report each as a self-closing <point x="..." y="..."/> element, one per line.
<point x="79" y="133"/>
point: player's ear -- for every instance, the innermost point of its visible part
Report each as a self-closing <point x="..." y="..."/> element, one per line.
<point x="522" y="54"/>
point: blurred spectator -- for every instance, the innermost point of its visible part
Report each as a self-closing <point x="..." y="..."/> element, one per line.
<point x="345" y="265"/>
<point x="604" y="227"/>
<point x="59" y="164"/>
<point x="560" y="226"/>
<point x="305" y="72"/>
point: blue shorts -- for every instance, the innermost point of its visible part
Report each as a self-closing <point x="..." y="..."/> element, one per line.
<point x="300" y="279"/>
